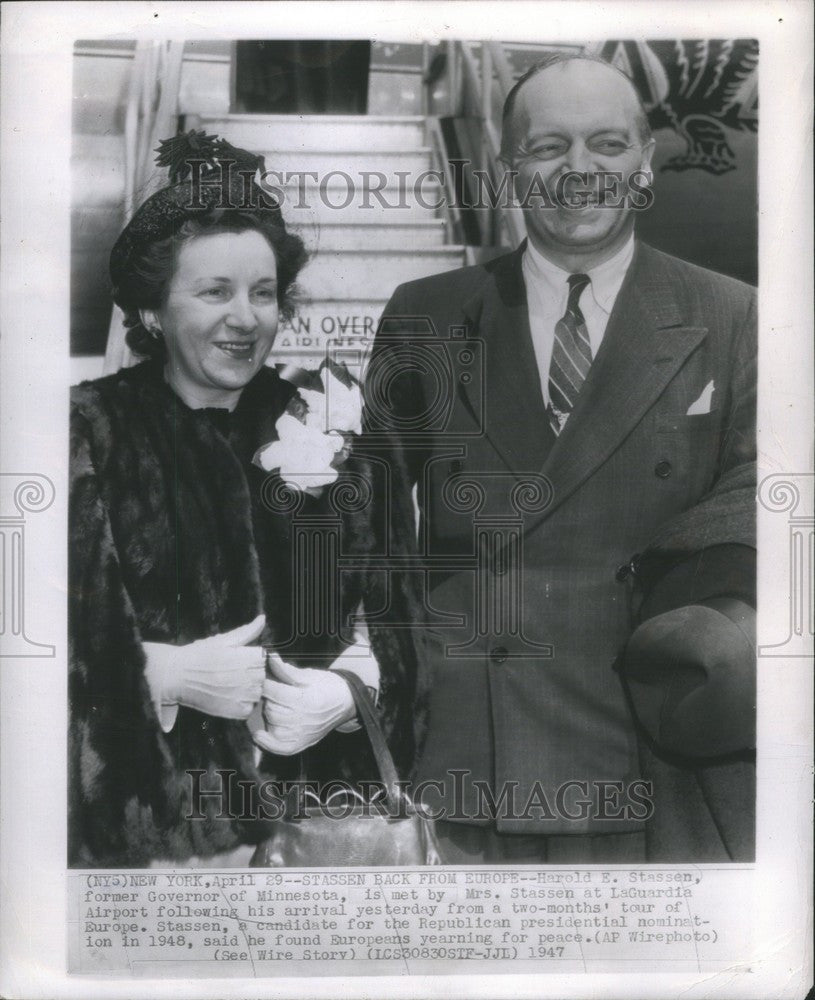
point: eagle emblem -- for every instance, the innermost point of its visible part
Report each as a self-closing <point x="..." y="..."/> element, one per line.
<point x="699" y="88"/>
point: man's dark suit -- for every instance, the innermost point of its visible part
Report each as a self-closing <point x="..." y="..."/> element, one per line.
<point x="629" y="460"/>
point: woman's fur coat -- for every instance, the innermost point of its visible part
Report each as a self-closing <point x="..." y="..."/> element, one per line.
<point x="172" y="539"/>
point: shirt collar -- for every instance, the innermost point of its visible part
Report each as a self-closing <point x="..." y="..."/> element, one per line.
<point x="606" y="278"/>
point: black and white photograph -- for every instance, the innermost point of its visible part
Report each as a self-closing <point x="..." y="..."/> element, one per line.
<point x="200" y="527"/>
<point x="407" y="534"/>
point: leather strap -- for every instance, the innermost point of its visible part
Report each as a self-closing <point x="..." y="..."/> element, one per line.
<point x="370" y="720"/>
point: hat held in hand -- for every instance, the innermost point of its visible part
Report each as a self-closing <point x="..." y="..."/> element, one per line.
<point x="690" y="669"/>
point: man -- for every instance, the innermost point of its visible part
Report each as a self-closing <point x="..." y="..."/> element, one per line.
<point x="599" y="404"/>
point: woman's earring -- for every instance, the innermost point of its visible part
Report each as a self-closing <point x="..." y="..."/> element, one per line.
<point x="155" y="332"/>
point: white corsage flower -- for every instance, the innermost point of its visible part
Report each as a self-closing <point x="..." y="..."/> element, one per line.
<point x="302" y="454"/>
<point x="314" y="433"/>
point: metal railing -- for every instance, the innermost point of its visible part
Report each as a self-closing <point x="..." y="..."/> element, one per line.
<point x="453" y="223"/>
<point x="476" y="80"/>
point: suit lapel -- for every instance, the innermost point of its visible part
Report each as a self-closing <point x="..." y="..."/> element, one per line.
<point x="514" y="414"/>
<point x="644" y="347"/>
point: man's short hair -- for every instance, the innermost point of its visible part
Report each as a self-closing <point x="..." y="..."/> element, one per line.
<point x="557" y="59"/>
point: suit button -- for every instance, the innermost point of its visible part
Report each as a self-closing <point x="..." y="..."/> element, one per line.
<point x="663" y="469"/>
<point x="205" y="725"/>
<point x="455" y="467"/>
<point x="499" y="654"/>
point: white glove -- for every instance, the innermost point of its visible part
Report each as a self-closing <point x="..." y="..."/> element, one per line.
<point x="301" y="706"/>
<point x="220" y="675"/>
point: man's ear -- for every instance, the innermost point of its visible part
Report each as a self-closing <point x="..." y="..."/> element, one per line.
<point x="645" y="163"/>
<point x="149" y="320"/>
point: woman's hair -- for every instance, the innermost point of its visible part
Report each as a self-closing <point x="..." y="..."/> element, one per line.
<point x="151" y="270"/>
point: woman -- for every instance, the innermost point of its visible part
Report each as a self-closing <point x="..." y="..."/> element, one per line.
<point x="180" y="566"/>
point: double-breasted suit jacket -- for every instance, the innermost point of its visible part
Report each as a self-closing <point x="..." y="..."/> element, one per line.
<point x="522" y="535"/>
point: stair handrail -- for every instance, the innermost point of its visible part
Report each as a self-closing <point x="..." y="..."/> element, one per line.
<point x="453" y="224"/>
<point x="506" y="77"/>
<point x="470" y="93"/>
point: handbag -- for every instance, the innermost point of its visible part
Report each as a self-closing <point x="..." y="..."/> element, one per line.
<point x="355" y="833"/>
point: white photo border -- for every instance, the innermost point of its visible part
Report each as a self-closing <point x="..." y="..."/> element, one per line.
<point x="37" y="46"/>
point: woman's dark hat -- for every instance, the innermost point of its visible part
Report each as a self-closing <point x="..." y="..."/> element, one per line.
<point x="206" y="172"/>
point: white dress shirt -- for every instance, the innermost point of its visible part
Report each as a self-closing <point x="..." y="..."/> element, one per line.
<point x="547" y="291"/>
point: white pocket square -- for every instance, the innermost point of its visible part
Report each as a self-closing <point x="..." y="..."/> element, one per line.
<point x="702" y="404"/>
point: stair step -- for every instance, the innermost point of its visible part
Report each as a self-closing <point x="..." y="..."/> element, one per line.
<point x="368" y="236"/>
<point x="339" y="206"/>
<point x="356" y="163"/>
<point x="315" y="132"/>
<point x="342" y="274"/>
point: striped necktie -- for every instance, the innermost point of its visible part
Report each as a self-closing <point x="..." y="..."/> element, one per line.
<point x="571" y="356"/>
